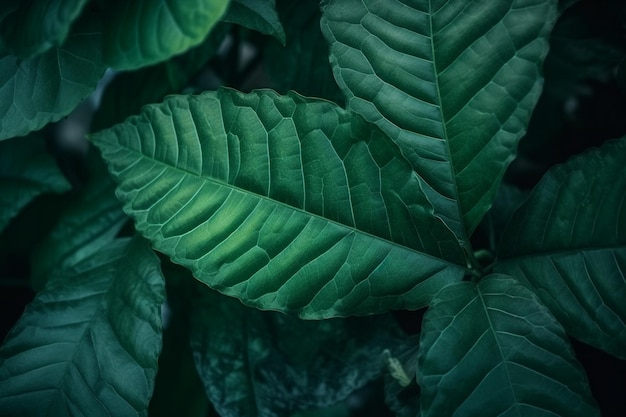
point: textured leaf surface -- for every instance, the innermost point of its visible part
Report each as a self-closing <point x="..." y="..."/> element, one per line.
<point x="43" y="89"/>
<point x="568" y="242"/>
<point x="257" y="363"/>
<point x="285" y="202"/>
<point x="144" y="32"/>
<point x="259" y="15"/>
<point x="493" y="349"/>
<point x="88" y="344"/>
<point x="26" y="171"/>
<point x="452" y="82"/>
<point x="28" y="28"/>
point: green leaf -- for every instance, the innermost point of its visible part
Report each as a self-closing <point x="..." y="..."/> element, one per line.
<point x="258" y="15"/>
<point x="91" y="222"/>
<point x="143" y="32"/>
<point x="287" y="203"/>
<point x="43" y="89"/>
<point x="453" y="83"/>
<point x="401" y="389"/>
<point x="256" y="363"/>
<point x="568" y="243"/>
<point x="26" y="171"/>
<point x="89" y="343"/>
<point x="302" y="64"/>
<point x="493" y="349"/>
<point x="29" y="28"/>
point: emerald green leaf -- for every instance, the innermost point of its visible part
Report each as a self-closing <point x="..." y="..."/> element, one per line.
<point x="453" y="83"/>
<point x="88" y="344"/>
<point x="258" y="15"/>
<point x="493" y="349"/>
<point x="302" y="64"/>
<point x="29" y="28"/>
<point x="255" y="363"/>
<point x="43" y="89"/>
<point x="88" y="224"/>
<point x="568" y="243"/>
<point x="26" y="171"/>
<point x="287" y="203"/>
<point x="144" y="32"/>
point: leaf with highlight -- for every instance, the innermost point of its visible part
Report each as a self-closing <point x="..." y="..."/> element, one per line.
<point x="287" y="203"/>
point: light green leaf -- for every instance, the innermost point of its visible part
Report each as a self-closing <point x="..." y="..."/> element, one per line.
<point x="89" y="223"/>
<point x="143" y="32"/>
<point x="568" y="243"/>
<point x="287" y="203"/>
<point x="452" y="82"/>
<point x="258" y="15"/>
<point x="29" y="28"/>
<point x="43" y="89"/>
<point x="493" y="349"/>
<point x="401" y="390"/>
<point x="256" y="363"/>
<point x="26" y="171"/>
<point x="88" y="345"/>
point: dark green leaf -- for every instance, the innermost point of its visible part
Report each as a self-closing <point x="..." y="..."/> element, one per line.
<point x="26" y="171"/>
<point x="493" y="349"/>
<point x="453" y="83"/>
<point x="288" y="203"/>
<point x="143" y="32"/>
<point x="88" y="344"/>
<point x="29" y="28"/>
<point x="258" y="15"/>
<point x="568" y="243"/>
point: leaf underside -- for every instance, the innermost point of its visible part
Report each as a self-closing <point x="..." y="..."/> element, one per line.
<point x="288" y="203"/>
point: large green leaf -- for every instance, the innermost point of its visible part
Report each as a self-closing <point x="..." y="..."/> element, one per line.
<point x="256" y="363"/>
<point x="143" y="32"/>
<point x="88" y="345"/>
<point x="28" y="28"/>
<point x="43" y="89"/>
<point x="287" y="203"/>
<point x="568" y="242"/>
<point x="493" y="349"/>
<point x="259" y="15"/>
<point x="26" y="171"/>
<point x="452" y="82"/>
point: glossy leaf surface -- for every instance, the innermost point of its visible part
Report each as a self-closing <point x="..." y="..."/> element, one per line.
<point x="493" y="349"/>
<point x="453" y="83"/>
<point x="288" y="203"/>
<point x="568" y="242"/>
<point x="88" y="344"/>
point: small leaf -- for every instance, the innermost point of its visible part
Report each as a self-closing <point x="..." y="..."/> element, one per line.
<point x="89" y="343"/>
<point x="453" y="83"/>
<point x="143" y="32"/>
<point x="29" y="28"/>
<point x="568" y="243"/>
<point x="258" y="15"/>
<point x="43" y="89"/>
<point x="287" y="203"/>
<point x="401" y="389"/>
<point x="493" y="349"/>
<point x="26" y="171"/>
<point x="257" y="363"/>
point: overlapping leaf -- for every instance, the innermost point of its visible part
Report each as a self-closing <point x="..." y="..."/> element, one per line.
<point x="28" y="28"/>
<point x="453" y="83"/>
<point x="568" y="242"/>
<point x="89" y="343"/>
<point x="493" y="349"/>
<point x="287" y="203"/>
<point x="144" y="32"/>
<point x="43" y="89"/>
<point x="259" y="15"/>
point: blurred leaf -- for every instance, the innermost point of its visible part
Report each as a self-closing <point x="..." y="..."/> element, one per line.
<point x="258" y="15"/>
<point x="401" y="389"/>
<point x="493" y="349"/>
<point x="29" y="28"/>
<point x="26" y="171"/>
<point x="88" y="344"/>
<point x="568" y="243"/>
